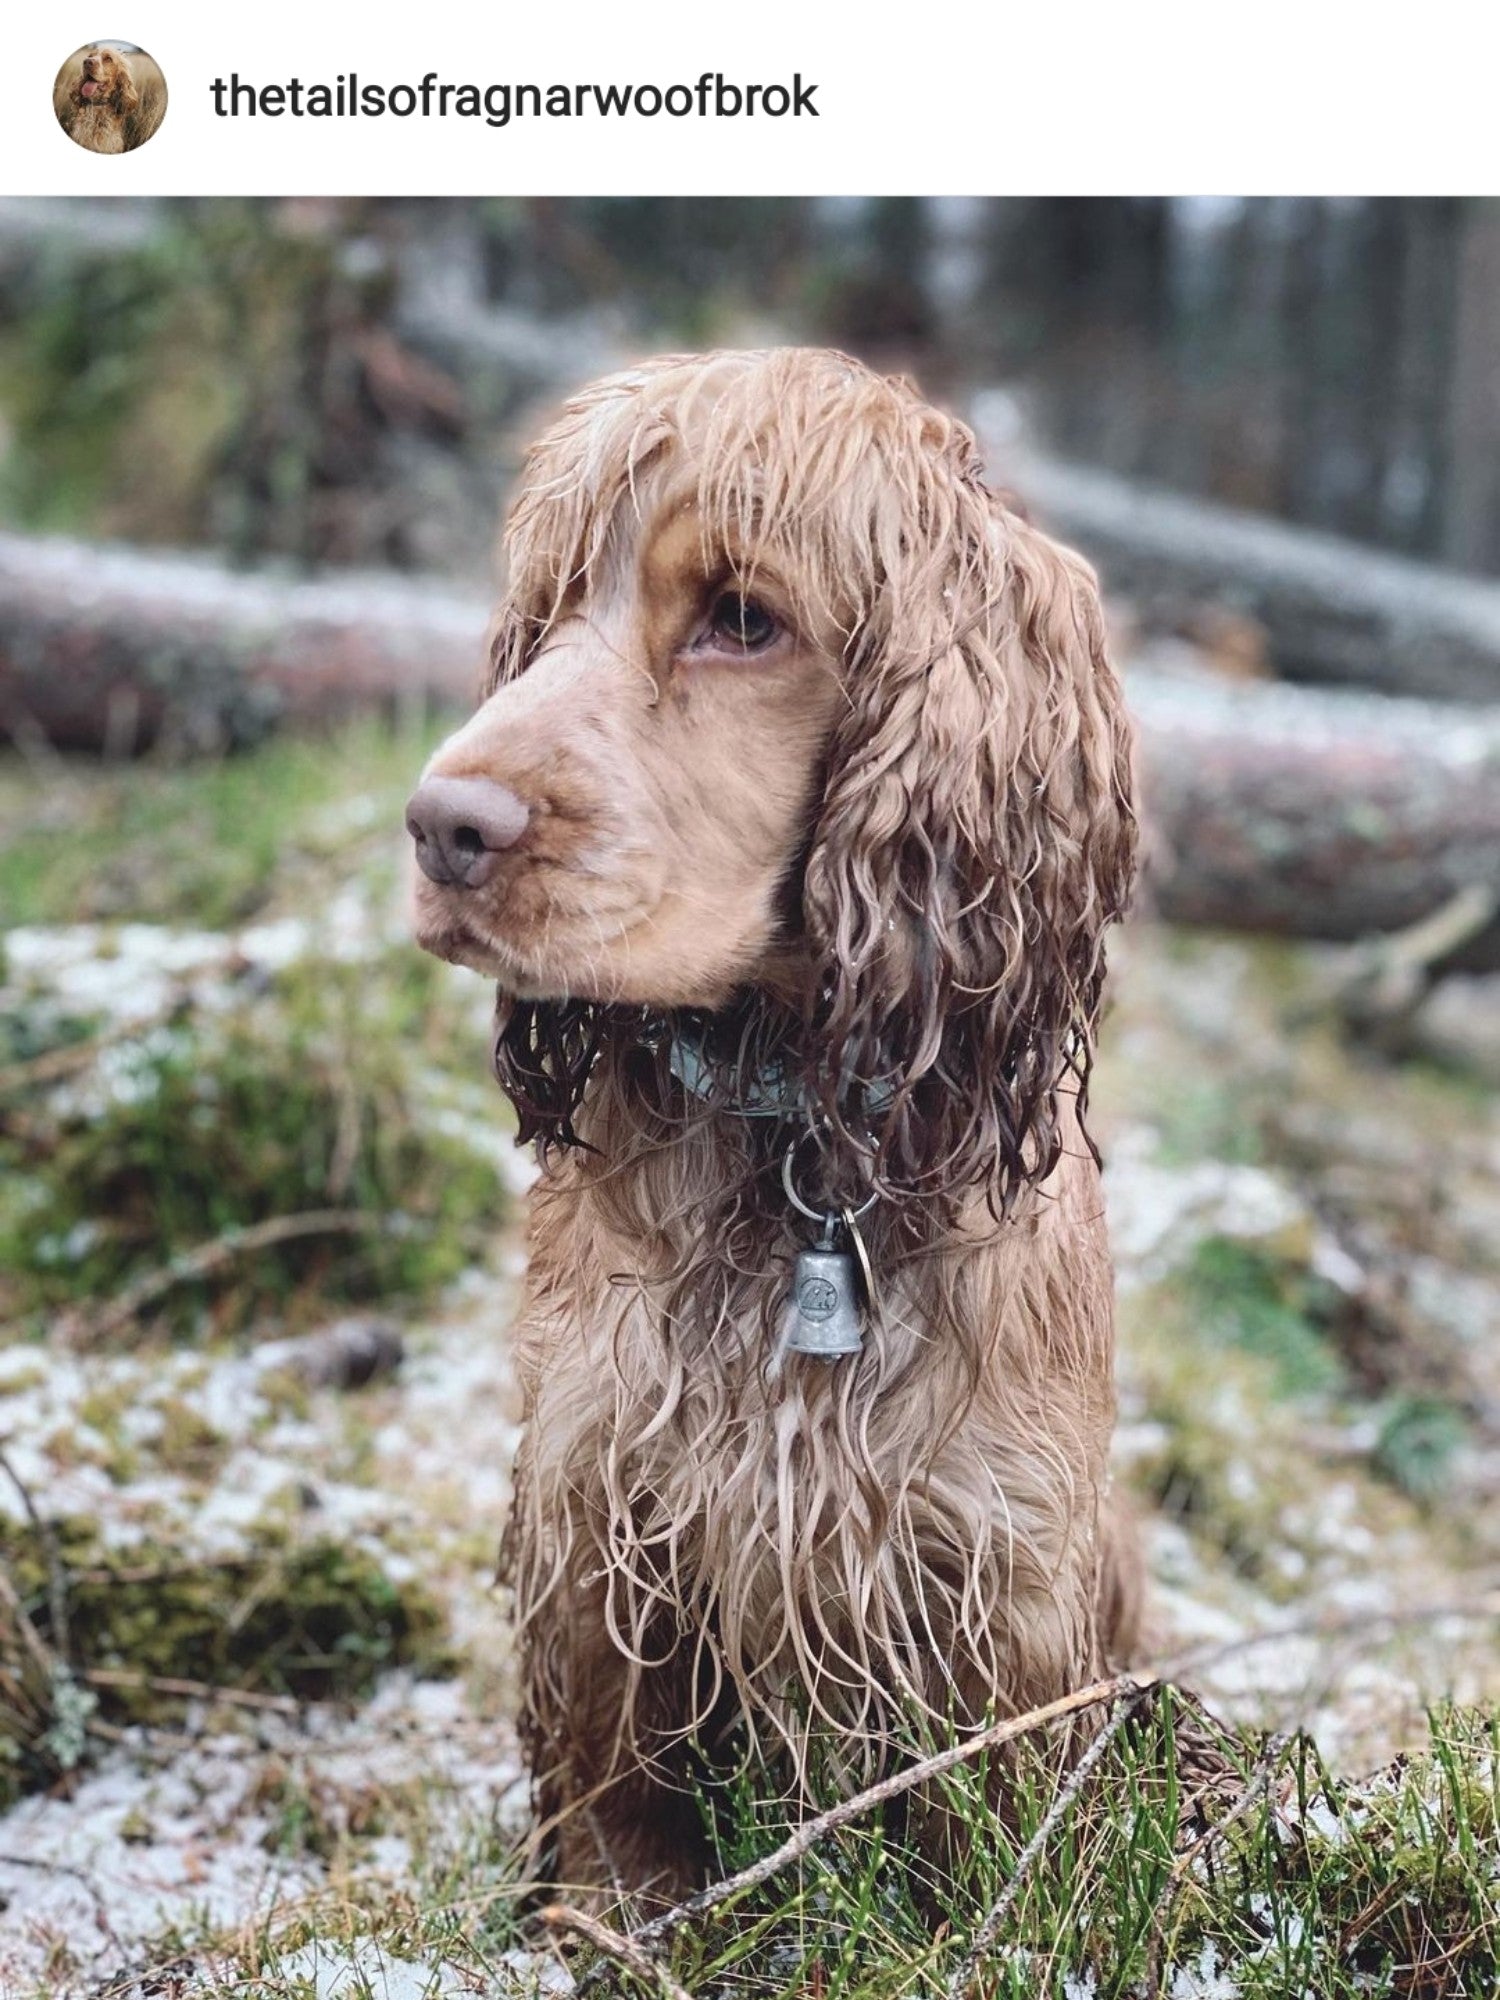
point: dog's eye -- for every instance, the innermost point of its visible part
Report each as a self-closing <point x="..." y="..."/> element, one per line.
<point x="742" y="623"/>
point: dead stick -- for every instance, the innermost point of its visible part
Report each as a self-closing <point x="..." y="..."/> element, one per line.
<point x="40" y="1652"/>
<point x="987" y="1932"/>
<point x="208" y="1258"/>
<point x="615" y="1945"/>
<point x="1168" y="1670"/>
<point x="125" y="1677"/>
<point x="54" y="1064"/>
<point x="57" y="1582"/>
<point x="1257" y="1785"/>
<point x="811" y="1831"/>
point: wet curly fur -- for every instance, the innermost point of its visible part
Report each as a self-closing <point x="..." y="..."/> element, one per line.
<point x="883" y="851"/>
<point x="109" y="99"/>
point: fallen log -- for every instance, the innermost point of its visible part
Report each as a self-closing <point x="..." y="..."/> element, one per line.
<point x="1317" y="813"/>
<point x="1329" y="610"/>
<point x="115" y="648"/>
<point x="1309" y="812"/>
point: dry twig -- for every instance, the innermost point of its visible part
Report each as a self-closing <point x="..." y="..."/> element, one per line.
<point x="1078" y="1777"/>
<point x="52" y="1065"/>
<point x="41" y="1653"/>
<point x="1128" y="1686"/>
<point x="807" y="1836"/>
<point x="127" y="1677"/>
<point x="207" y="1258"/>
<point x="57" y="1581"/>
<point x="613" y="1944"/>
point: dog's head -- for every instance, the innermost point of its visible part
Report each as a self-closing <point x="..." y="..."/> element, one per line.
<point x="786" y="708"/>
<point x="104" y="79"/>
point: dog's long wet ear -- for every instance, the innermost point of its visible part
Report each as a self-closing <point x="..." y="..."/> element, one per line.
<point x="975" y="842"/>
<point x="126" y="96"/>
<point x="543" y="1053"/>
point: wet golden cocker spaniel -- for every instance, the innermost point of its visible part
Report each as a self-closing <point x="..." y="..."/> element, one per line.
<point x="791" y="827"/>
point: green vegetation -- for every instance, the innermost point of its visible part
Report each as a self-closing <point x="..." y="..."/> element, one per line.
<point x="1192" y="1855"/>
<point x="109" y="1637"/>
<point x="1275" y="1414"/>
<point x="247" y="1095"/>
<point x="1247" y="1297"/>
<point x="1192" y="1864"/>
<point x="211" y="843"/>
<point x="307" y="1097"/>
<point x="194" y="386"/>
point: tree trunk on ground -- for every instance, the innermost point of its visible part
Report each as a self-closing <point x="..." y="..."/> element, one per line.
<point x="1315" y="813"/>
<point x="1310" y="812"/>
<point x="1330" y="610"/>
<point x="115" y="648"/>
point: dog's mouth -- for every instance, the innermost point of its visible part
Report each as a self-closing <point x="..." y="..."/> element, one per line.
<point x="566" y="956"/>
<point x="90" y="87"/>
<point x="460" y="943"/>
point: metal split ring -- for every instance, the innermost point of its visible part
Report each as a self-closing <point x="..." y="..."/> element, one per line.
<point x="818" y="1214"/>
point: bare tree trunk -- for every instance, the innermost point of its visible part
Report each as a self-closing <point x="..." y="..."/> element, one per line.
<point x="1331" y="610"/>
<point x="1317" y="813"/>
<point x="1472" y="529"/>
<point x="1314" y="813"/>
<point x="118" y="648"/>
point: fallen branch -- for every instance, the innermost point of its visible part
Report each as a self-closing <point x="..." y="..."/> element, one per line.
<point x="613" y="1944"/>
<point x="1130" y="1687"/>
<point x="806" y="1837"/>
<point x="1330" y="609"/>
<point x="53" y="1065"/>
<point x="127" y="1677"/>
<point x="1389" y="977"/>
<point x="1307" y="812"/>
<point x="100" y="642"/>
<point x="1311" y="811"/>
<point x="87" y="1327"/>
<point x="1026" y="1860"/>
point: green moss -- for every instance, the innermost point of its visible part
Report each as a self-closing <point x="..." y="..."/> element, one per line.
<point x="1200" y="1118"/>
<point x="1196" y="1862"/>
<point x="307" y="1617"/>
<point x="314" y="1097"/>
<point x="1243" y="1295"/>
<point x="187" y="1443"/>
<point x="1199" y="1477"/>
<point x="1419" y="1438"/>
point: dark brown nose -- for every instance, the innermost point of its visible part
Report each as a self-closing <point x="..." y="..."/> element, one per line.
<point x="462" y="826"/>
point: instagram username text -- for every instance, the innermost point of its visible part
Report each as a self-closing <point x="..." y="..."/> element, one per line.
<point x="712" y="96"/>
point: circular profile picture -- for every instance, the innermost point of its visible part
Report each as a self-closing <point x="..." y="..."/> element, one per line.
<point x="109" y="97"/>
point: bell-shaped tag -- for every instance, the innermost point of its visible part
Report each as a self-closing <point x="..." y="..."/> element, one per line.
<point x="823" y="1313"/>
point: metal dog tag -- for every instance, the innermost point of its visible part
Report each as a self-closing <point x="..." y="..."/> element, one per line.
<point x="823" y="1313"/>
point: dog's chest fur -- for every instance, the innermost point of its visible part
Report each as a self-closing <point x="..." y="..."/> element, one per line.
<point x="99" y="126"/>
<point x="887" y="1520"/>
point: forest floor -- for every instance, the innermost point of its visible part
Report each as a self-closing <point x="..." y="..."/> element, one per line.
<point x="255" y="1692"/>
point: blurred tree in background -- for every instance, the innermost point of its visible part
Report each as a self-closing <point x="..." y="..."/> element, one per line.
<point x="338" y="381"/>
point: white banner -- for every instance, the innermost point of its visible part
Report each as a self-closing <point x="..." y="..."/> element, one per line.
<point x="1325" y="96"/>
